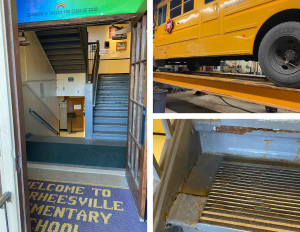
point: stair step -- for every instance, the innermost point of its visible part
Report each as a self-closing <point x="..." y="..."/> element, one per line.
<point x="115" y="114"/>
<point x="115" y="128"/>
<point x="112" y="101"/>
<point x="61" y="45"/>
<point x="70" y="71"/>
<point x="112" y="93"/>
<point x="67" y="62"/>
<point x="65" y="51"/>
<point x="73" y="67"/>
<point x="101" y="120"/>
<point x="111" y="107"/>
<point x="109" y="136"/>
<point x="113" y="88"/>
<point x="112" y="77"/>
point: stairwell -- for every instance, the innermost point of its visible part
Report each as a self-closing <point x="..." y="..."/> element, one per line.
<point x="66" y="49"/>
<point x="111" y="107"/>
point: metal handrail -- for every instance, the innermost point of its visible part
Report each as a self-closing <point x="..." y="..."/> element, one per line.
<point x="44" y="122"/>
<point x="4" y="198"/>
<point x="96" y="60"/>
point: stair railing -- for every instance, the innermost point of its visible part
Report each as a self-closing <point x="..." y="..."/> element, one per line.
<point x="95" y="70"/>
<point x="6" y="197"/>
<point x="91" y="88"/>
<point x="44" y="122"/>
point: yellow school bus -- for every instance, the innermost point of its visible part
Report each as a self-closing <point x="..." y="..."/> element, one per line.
<point x="204" y="32"/>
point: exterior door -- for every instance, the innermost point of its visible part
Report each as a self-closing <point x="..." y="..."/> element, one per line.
<point x="210" y="17"/>
<point x="14" y="214"/>
<point x="136" y="164"/>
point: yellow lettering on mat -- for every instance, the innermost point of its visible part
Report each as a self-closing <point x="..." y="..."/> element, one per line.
<point x="50" y="198"/>
<point x="78" y="191"/>
<point x="61" y="199"/>
<point x="105" y="218"/>
<point x="33" y="195"/>
<point x="47" y="210"/>
<point x="59" y="212"/>
<point x="57" y="225"/>
<point x="36" y="208"/>
<point x="93" y="215"/>
<point x="39" y="225"/>
<point x="66" y="225"/>
<point x="116" y="205"/>
<point x="81" y="214"/>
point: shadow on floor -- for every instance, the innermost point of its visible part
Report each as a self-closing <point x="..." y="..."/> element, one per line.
<point x="180" y="106"/>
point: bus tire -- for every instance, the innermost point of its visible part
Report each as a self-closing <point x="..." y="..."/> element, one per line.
<point x="279" y="55"/>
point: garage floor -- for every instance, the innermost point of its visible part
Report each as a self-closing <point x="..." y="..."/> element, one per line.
<point x="187" y="102"/>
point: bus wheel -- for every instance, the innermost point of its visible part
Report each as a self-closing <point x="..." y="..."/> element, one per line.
<point x="191" y="67"/>
<point x="279" y="55"/>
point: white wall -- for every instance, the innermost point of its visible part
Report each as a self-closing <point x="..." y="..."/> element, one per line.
<point x="36" y="69"/>
<point x="65" y="88"/>
<point x="108" y="63"/>
<point x="32" y="124"/>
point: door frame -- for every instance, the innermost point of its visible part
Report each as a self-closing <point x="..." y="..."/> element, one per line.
<point x="138" y="191"/>
<point x="15" y="120"/>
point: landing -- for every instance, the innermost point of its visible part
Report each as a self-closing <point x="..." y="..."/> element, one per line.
<point x="76" y="151"/>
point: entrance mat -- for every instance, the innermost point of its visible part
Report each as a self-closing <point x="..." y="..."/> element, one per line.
<point x="69" y="207"/>
<point x="76" y="154"/>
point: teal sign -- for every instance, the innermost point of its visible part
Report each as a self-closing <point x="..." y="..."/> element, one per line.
<point x="45" y="10"/>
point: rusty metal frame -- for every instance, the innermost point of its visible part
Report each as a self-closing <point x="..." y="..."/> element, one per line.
<point x="136" y="162"/>
<point x="253" y="91"/>
<point x="18" y="110"/>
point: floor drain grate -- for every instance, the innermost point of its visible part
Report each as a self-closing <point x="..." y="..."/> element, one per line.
<point x="254" y="198"/>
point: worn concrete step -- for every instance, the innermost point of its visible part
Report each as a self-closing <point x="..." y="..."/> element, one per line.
<point x="114" y="78"/>
<point x="111" y="132"/>
<point x="120" y="81"/>
<point x="111" y="107"/>
<point x="104" y="120"/>
<point x="115" y="128"/>
<point x="109" y="136"/>
<point x="117" y="97"/>
<point x="116" y="114"/>
<point x="112" y="93"/>
<point x="113" y="87"/>
<point x="112" y="101"/>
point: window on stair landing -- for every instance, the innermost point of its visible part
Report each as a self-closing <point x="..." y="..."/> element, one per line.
<point x="162" y="15"/>
<point x="188" y="5"/>
<point x="175" y="8"/>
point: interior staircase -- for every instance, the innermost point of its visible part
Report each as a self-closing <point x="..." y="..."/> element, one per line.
<point x="111" y="107"/>
<point x="66" y="49"/>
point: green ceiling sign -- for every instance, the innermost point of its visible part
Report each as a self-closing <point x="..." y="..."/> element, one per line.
<point x="45" y="10"/>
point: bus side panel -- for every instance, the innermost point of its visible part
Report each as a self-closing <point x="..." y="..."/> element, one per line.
<point x="244" y="14"/>
<point x="161" y="52"/>
<point x="160" y="35"/>
<point x="249" y="14"/>
<point x="181" y="49"/>
<point x="229" y="44"/>
<point x="188" y="33"/>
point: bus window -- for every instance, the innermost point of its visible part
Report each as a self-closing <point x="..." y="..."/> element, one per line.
<point x="162" y="15"/>
<point x="188" y="5"/>
<point x="175" y="8"/>
<point x="208" y="1"/>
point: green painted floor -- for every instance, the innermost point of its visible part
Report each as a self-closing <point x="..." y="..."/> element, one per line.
<point x="76" y="151"/>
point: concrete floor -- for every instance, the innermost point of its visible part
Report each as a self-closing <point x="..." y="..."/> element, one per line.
<point x="187" y="102"/>
<point x="78" y="175"/>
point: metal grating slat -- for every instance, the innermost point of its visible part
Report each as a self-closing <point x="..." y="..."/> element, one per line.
<point x="254" y="198"/>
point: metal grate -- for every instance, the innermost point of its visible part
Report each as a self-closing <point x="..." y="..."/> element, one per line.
<point x="254" y="198"/>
